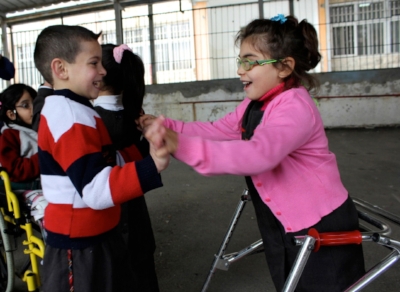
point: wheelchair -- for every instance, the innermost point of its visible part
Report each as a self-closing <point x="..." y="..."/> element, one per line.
<point x="372" y="229"/>
<point x="16" y="221"/>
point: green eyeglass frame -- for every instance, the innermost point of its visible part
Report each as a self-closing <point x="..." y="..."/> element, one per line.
<point x="247" y="65"/>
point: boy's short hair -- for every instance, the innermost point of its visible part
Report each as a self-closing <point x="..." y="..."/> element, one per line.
<point x="59" y="41"/>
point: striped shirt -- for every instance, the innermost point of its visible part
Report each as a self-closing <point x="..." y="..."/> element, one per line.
<point x="79" y="178"/>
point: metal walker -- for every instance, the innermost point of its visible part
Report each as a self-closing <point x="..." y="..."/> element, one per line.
<point x="375" y="231"/>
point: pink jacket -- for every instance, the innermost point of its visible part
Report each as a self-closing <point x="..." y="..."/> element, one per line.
<point x="287" y="158"/>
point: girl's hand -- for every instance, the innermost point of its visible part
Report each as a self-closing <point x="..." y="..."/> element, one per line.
<point x="144" y="121"/>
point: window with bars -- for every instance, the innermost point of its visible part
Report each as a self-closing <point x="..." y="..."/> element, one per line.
<point x="25" y="55"/>
<point x="24" y="63"/>
<point x="365" y="28"/>
<point x="134" y="35"/>
<point x="137" y="38"/>
<point x="395" y="26"/>
<point x="173" y="46"/>
<point x="109" y="37"/>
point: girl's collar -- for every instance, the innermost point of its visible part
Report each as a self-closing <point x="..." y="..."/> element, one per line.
<point x="109" y="102"/>
<point x="274" y="92"/>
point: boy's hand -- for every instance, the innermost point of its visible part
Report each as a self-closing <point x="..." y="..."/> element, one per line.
<point x="160" y="160"/>
<point x="154" y="133"/>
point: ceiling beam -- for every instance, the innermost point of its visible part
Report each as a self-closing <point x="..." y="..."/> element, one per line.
<point x="74" y="10"/>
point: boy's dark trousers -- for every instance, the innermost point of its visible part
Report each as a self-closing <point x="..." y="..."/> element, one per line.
<point x="101" y="267"/>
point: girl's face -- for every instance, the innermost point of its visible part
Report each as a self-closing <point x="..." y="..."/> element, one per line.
<point x="259" y="79"/>
<point x="24" y="108"/>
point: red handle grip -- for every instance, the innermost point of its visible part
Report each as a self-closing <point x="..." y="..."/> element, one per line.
<point x="335" y="238"/>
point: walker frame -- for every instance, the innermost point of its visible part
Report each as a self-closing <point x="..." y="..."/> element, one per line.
<point x="376" y="231"/>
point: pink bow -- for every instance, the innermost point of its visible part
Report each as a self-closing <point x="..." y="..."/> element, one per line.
<point x="119" y="51"/>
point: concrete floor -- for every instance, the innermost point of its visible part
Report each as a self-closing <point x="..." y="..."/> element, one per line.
<point x="191" y="214"/>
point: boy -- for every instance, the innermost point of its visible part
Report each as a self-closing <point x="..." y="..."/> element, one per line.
<point x="84" y="189"/>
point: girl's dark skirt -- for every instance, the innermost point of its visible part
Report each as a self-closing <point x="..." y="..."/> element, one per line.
<point x="104" y="267"/>
<point x="332" y="268"/>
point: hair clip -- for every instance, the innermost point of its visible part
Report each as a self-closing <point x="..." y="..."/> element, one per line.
<point x="119" y="51"/>
<point x="280" y="17"/>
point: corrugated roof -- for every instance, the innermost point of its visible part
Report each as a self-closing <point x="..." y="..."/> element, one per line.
<point x="10" y="6"/>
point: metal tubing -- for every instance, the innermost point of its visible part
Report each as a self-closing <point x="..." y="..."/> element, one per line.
<point x="377" y="210"/>
<point x="233" y="257"/>
<point x="219" y="262"/>
<point x="299" y="264"/>
<point x="374" y="272"/>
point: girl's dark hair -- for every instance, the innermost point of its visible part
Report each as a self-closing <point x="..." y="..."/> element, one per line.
<point x="126" y="78"/>
<point x="289" y="39"/>
<point x="9" y="97"/>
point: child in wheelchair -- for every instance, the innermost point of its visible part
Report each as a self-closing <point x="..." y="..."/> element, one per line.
<point x="18" y="149"/>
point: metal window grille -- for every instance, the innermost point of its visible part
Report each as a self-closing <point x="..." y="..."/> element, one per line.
<point x="395" y="26"/>
<point x="394" y="8"/>
<point x="340" y="14"/>
<point x="395" y="36"/>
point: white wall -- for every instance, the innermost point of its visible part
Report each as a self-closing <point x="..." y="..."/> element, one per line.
<point x="345" y="99"/>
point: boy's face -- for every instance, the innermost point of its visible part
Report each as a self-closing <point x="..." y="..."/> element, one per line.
<point x="86" y="73"/>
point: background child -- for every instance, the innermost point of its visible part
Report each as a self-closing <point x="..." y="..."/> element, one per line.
<point x="18" y="146"/>
<point x="119" y="105"/>
<point x="18" y="142"/>
<point x="276" y="139"/>
<point x="85" y="251"/>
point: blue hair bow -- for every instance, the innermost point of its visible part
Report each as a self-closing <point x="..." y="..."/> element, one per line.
<point x="280" y="17"/>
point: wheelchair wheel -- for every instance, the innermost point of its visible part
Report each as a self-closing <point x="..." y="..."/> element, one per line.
<point x="6" y="259"/>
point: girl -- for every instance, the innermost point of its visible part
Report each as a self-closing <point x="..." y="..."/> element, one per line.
<point x="18" y="142"/>
<point x="18" y="145"/>
<point x="276" y="139"/>
<point x="119" y="105"/>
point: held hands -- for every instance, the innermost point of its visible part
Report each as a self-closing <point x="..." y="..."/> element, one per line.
<point x="160" y="158"/>
<point x="164" y="140"/>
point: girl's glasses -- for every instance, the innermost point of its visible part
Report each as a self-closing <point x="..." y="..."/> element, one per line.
<point x="25" y="105"/>
<point x="248" y="65"/>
